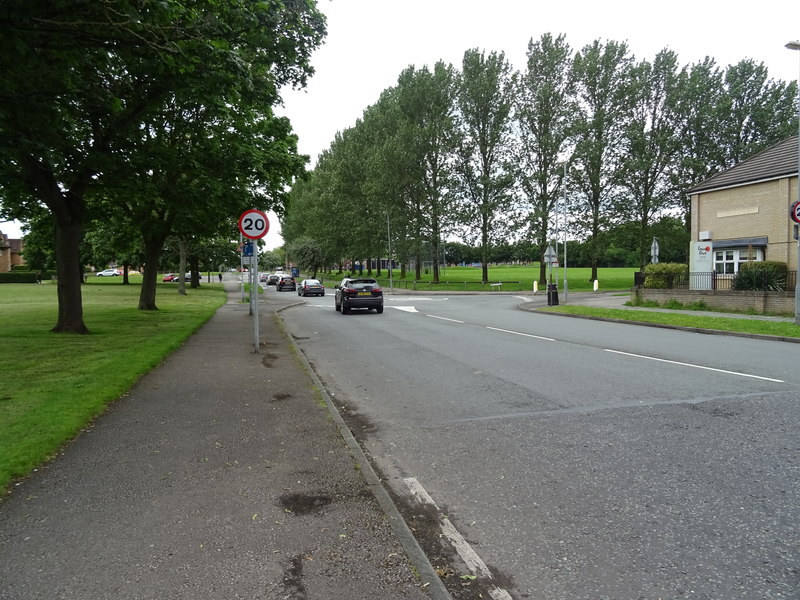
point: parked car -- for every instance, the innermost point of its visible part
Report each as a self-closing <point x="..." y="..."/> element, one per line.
<point x="107" y="273"/>
<point x="286" y="282"/>
<point x="170" y="277"/>
<point x="358" y="292"/>
<point x="311" y="287"/>
<point x="273" y="279"/>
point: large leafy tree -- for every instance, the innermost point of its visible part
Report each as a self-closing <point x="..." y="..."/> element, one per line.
<point x="426" y="100"/>
<point x="76" y="77"/>
<point x="602" y="75"/>
<point x="545" y="110"/>
<point x="724" y="116"/>
<point x="486" y="93"/>
<point x="755" y="111"/>
<point x="651" y="146"/>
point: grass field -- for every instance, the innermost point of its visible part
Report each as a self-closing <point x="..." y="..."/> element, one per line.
<point x="53" y="385"/>
<point x="514" y="278"/>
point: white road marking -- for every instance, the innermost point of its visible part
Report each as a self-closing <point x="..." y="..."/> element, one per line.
<point x="445" y="319"/>
<point x="410" y="309"/>
<point x="538" y="337"/>
<point x="465" y="551"/>
<point x="413" y="299"/>
<point x="683" y="364"/>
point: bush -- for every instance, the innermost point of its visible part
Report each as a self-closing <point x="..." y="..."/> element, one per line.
<point x="761" y="276"/>
<point x="19" y="277"/>
<point x="660" y="275"/>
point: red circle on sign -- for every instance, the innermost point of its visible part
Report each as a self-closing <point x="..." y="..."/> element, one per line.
<point x="794" y="212"/>
<point x="253" y="224"/>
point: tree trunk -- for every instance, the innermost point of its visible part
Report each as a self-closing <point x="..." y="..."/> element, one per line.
<point x="152" y="256"/>
<point x="182" y="245"/>
<point x="435" y="247"/>
<point x="70" y="276"/>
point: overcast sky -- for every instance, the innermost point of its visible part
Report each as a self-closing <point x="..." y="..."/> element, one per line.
<point x="370" y="42"/>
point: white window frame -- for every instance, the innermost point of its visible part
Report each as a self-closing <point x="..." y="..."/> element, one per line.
<point x="728" y="260"/>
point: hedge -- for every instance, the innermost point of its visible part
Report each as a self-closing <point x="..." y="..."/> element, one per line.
<point x="17" y="276"/>
<point x="659" y="275"/>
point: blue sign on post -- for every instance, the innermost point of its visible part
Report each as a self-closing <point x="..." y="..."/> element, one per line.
<point x="248" y="248"/>
<point x="295" y="272"/>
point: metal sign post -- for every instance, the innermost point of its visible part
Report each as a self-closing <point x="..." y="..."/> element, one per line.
<point x="253" y="224"/>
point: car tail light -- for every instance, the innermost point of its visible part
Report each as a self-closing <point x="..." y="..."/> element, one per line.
<point x="377" y="289"/>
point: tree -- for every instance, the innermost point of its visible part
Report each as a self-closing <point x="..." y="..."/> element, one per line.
<point x="486" y="94"/>
<point x="78" y="77"/>
<point x="650" y="146"/>
<point x="755" y="111"/>
<point x="544" y="113"/>
<point x="307" y="254"/>
<point x="724" y="117"/>
<point x="602" y="76"/>
<point x="426" y="100"/>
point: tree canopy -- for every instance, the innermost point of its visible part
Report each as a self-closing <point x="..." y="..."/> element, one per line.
<point x="108" y="102"/>
<point x="480" y="153"/>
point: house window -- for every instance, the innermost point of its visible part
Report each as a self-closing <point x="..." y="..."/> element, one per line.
<point x="728" y="261"/>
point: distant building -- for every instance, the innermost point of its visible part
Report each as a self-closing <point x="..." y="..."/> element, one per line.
<point x="10" y="253"/>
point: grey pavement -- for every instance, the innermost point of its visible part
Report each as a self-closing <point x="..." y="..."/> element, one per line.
<point x="222" y="474"/>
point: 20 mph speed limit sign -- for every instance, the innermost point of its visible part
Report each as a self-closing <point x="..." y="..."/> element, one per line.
<point x="794" y="212"/>
<point x="253" y="224"/>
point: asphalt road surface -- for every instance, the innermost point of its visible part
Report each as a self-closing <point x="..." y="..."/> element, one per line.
<point x="579" y="459"/>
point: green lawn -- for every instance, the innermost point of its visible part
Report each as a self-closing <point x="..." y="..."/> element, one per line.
<point x="751" y="326"/>
<point x="52" y="385"/>
<point x="515" y="278"/>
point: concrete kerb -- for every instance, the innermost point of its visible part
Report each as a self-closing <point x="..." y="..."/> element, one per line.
<point x="431" y="581"/>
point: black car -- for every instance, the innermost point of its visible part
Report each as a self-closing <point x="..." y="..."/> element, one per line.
<point x="286" y="282"/>
<point x="273" y="279"/>
<point x="311" y="287"/>
<point x="358" y="292"/>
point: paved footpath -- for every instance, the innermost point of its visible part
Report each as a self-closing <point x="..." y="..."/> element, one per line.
<point x="221" y="475"/>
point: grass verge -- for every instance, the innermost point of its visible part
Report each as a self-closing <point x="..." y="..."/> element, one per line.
<point x="53" y="385"/>
<point x="748" y="326"/>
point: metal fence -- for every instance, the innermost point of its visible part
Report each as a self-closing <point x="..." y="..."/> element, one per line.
<point x="757" y="282"/>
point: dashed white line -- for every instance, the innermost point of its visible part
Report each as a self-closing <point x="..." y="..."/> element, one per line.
<point x="445" y="319"/>
<point x="683" y="364"/>
<point x="530" y="335"/>
<point x="465" y="551"/>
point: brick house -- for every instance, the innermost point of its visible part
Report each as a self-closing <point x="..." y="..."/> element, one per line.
<point x="10" y="253"/>
<point x="744" y="212"/>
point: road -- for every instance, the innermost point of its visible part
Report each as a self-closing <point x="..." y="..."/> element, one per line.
<point x="580" y="459"/>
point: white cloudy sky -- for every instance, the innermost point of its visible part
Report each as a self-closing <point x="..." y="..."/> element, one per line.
<point x="370" y="42"/>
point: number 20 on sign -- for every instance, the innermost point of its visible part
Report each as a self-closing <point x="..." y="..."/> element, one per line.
<point x="794" y="212"/>
<point x="253" y="224"/>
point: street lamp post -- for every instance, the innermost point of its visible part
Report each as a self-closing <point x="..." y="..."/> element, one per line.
<point x="795" y="45"/>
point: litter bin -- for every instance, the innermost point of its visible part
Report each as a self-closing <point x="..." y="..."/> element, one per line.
<point x="552" y="294"/>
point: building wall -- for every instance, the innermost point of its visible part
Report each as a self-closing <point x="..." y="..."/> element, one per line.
<point x="760" y="209"/>
<point x="776" y="303"/>
<point x="5" y="258"/>
<point x="10" y="253"/>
